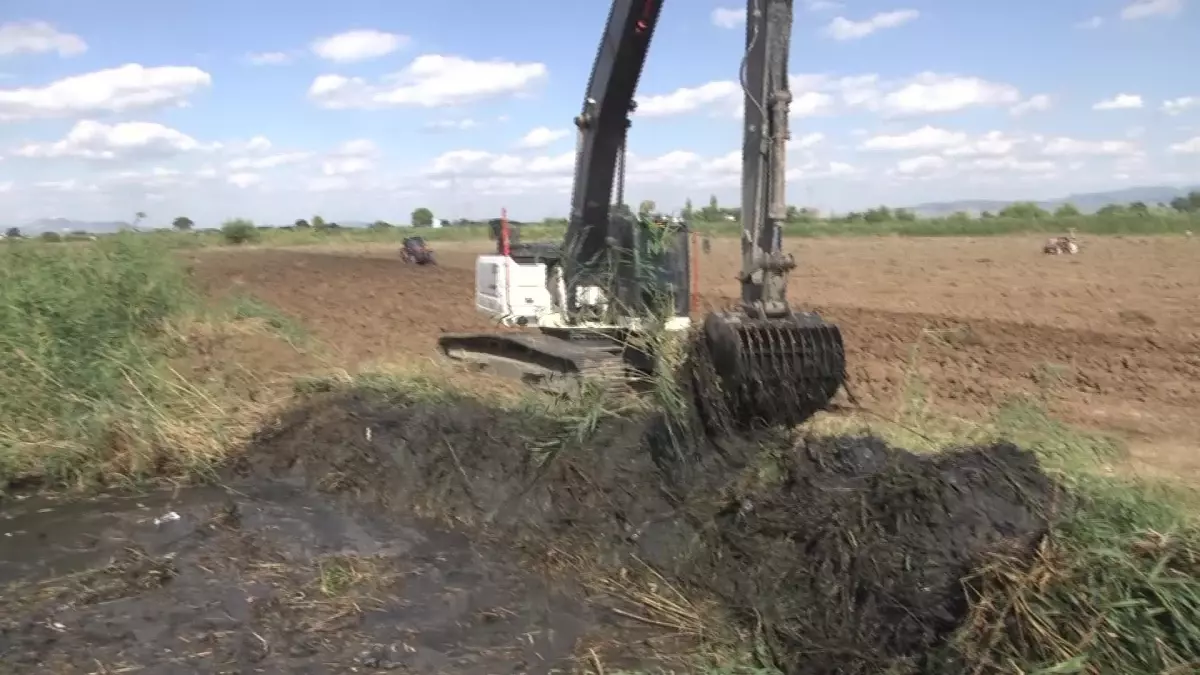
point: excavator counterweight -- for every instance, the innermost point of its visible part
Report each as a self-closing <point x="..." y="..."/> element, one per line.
<point x="759" y="363"/>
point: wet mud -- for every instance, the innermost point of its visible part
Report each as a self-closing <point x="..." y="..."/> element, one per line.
<point x="843" y="555"/>
<point x="366" y="532"/>
<point x="266" y="578"/>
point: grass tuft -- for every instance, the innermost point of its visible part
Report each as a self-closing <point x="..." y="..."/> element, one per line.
<point x="89" y="393"/>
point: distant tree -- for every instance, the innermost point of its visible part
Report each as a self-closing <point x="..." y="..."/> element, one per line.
<point x="183" y="224"/>
<point x="1067" y="210"/>
<point x="712" y="212"/>
<point x="137" y="218"/>
<point x="1139" y="208"/>
<point x="1109" y="210"/>
<point x="421" y="217"/>
<point x="987" y="215"/>
<point x="1024" y="210"/>
<point x="959" y="217"/>
<point x="239" y="231"/>
<point x="905" y="215"/>
<point x="380" y="225"/>
<point x="318" y="222"/>
<point x="880" y="214"/>
<point x="51" y="237"/>
<point x="13" y="233"/>
<point x="689" y="211"/>
<point x="647" y="208"/>
<point x="301" y="224"/>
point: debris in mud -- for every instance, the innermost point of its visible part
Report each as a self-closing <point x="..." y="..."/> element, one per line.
<point x="850" y="560"/>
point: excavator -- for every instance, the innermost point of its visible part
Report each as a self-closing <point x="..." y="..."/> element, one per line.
<point x="588" y="304"/>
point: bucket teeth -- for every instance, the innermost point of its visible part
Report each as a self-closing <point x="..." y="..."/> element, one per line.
<point x="766" y="372"/>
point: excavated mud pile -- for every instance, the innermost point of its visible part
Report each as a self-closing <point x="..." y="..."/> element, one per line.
<point x="846" y="554"/>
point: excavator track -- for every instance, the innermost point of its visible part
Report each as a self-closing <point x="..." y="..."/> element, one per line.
<point x="548" y="362"/>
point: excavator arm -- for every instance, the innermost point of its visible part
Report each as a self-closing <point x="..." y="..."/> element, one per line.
<point x="760" y="363"/>
<point x="603" y="124"/>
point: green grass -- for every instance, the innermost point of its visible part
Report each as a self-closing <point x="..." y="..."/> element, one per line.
<point x="87" y="391"/>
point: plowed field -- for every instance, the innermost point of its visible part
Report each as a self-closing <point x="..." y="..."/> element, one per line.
<point x="1111" y="337"/>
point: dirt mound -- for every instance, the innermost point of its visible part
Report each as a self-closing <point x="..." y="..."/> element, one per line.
<point x="847" y="553"/>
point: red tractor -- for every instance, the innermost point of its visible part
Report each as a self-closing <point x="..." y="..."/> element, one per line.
<point x="415" y="250"/>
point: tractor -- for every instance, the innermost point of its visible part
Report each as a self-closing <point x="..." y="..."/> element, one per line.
<point x="415" y="250"/>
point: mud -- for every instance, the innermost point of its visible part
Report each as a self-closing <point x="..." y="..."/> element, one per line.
<point x="847" y="555"/>
<point x="267" y="578"/>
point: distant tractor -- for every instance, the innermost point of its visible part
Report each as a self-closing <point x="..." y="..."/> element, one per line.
<point x="1068" y="245"/>
<point x="415" y="250"/>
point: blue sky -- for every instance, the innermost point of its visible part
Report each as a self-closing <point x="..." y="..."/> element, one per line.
<point x="360" y="110"/>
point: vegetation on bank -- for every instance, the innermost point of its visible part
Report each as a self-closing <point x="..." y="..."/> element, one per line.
<point x="89" y="392"/>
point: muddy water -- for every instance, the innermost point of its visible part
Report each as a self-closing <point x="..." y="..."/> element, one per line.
<point x="265" y="578"/>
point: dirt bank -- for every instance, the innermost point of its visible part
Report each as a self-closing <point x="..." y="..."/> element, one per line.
<point x="847" y="555"/>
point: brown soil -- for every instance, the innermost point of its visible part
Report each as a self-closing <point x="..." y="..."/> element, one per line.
<point x="1109" y="337"/>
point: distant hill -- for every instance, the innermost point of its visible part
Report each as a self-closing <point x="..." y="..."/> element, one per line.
<point x="1088" y="202"/>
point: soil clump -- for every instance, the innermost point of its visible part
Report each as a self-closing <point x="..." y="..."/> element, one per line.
<point x="844" y="555"/>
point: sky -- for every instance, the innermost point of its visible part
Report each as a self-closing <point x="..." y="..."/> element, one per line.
<point x="360" y="110"/>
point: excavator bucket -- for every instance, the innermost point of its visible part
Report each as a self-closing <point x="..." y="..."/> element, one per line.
<point x="751" y="373"/>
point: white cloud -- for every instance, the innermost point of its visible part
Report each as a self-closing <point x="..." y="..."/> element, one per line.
<point x="1144" y="9"/>
<point x="89" y="139"/>
<point x="359" y="147"/>
<point x="728" y="18"/>
<point x="925" y="138"/>
<point x="492" y="173"/>
<point x="70" y="185"/>
<point x="1066" y="147"/>
<point x="993" y="143"/>
<point x="1177" y="106"/>
<point x="1188" y="147"/>
<point x="690" y="99"/>
<point x="813" y="169"/>
<point x="430" y="81"/>
<point x="358" y="45"/>
<point x="842" y="28"/>
<point x="258" y="144"/>
<point x="347" y="166"/>
<point x="1120" y="102"/>
<point x="244" y="180"/>
<point x="921" y="165"/>
<point x="452" y="125"/>
<point x="542" y="137"/>
<point x="1013" y="164"/>
<point x="809" y="103"/>
<point x="268" y="161"/>
<point x="726" y="97"/>
<point x="936" y="93"/>
<point x="350" y="158"/>
<point x="1091" y="23"/>
<point x="1037" y="103"/>
<point x="128" y="87"/>
<point x="154" y="179"/>
<point x="806" y="141"/>
<point x="38" y="37"/>
<point x="269" y="58"/>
